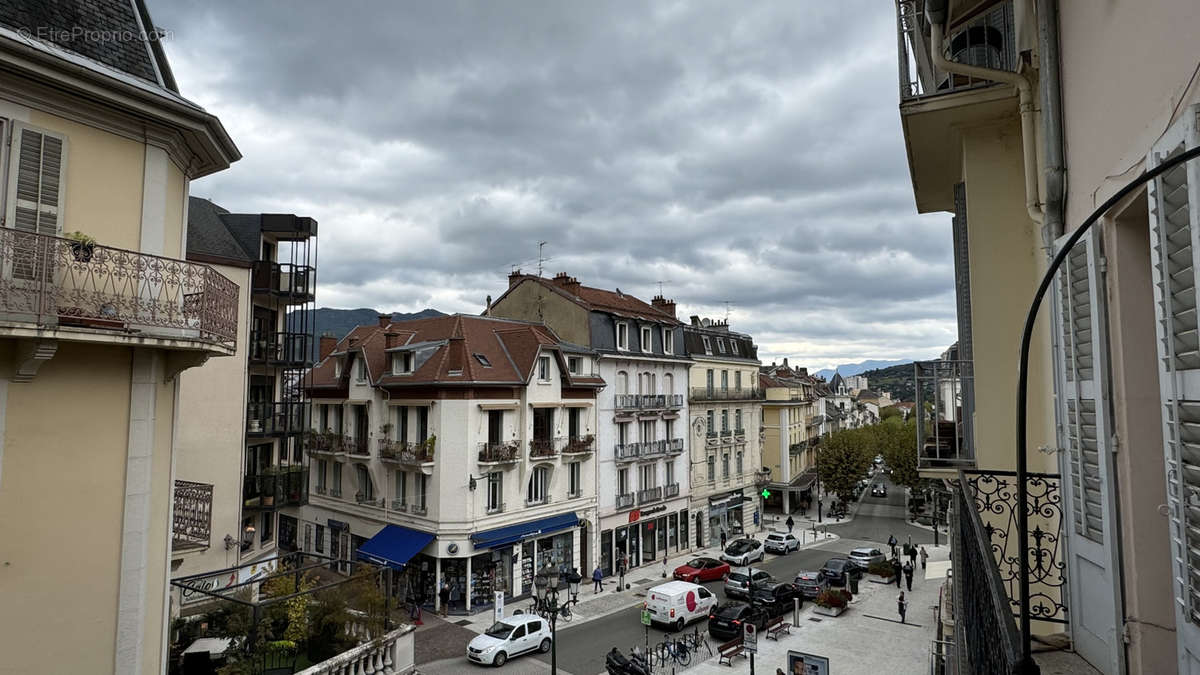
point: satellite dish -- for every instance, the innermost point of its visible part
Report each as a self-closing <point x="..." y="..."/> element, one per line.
<point x="705" y="322"/>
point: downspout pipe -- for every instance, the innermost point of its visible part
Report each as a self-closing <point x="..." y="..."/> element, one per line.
<point x="1049" y="78"/>
<point x="1027" y="108"/>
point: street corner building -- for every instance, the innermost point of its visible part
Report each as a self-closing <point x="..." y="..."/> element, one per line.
<point x="100" y="312"/>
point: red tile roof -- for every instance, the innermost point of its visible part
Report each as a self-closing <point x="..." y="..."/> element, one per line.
<point x="591" y="298"/>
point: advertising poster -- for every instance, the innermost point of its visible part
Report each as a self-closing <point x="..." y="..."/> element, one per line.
<point x="800" y="663"/>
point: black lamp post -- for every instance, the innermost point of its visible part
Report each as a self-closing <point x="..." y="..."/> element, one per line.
<point x="545" y="584"/>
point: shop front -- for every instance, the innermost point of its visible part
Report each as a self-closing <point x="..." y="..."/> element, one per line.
<point x="725" y="515"/>
<point x="644" y="536"/>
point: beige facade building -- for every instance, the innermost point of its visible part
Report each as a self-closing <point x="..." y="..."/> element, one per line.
<point x="93" y="336"/>
<point x="791" y="433"/>
<point x="1021" y="118"/>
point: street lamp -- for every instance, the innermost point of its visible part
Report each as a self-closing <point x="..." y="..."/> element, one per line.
<point x="545" y="584"/>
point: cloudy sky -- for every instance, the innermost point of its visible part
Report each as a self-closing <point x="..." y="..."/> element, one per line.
<point x="747" y="153"/>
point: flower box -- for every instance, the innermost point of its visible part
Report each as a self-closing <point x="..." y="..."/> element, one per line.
<point x="828" y="611"/>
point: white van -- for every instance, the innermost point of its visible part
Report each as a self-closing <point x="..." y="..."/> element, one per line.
<point x="676" y="603"/>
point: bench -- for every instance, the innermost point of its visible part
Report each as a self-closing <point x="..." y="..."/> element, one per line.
<point x="729" y="650"/>
<point x="776" y="626"/>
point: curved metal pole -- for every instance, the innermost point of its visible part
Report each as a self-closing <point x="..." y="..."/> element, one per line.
<point x="1027" y="664"/>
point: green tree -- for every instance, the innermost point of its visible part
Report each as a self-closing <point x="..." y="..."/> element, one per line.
<point x="898" y="441"/>
<point x="842" y="460"/>
<point x="889" y="412"/>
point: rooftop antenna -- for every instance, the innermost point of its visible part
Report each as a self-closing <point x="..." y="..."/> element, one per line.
<point x="660" y="286"/>
<point x="541" y="258"/>
<point x="728" y="305"/>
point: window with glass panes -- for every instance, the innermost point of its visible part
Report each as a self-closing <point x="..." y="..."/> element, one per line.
<point x="669" y="478"/>
<point x="712" y="468"/>
<point x="724" y="420"/>
<point x="420" y="483"/>
<point x="623" y="481"/>
<point x="737" y="419"/>
<point x="335" y="486"/>
<point x="319" y="543"/>
<point x="574" y="478"/>
<point x="739" y="462"/>
<point x="712" y="425"/>
<point x="538" y="481"/>
<point x="268" y="526"/>
<point x="725" y="465"/>
<point x="400" y="491"/>
<point x="495" y="496"/>
<point x="648" y="476"/>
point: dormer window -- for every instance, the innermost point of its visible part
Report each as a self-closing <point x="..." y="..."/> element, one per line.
<point x="337" y="368"/>
<point x="402" y="363"/>
<point x="707" y="344"/>
<point x="544" y="368"/>
<point x="646" y="337"/>
<point x="668" y="341"/>
<point x="574" y="365"/>
<point x="361" y="370"/>
<point x="623" y="336"/>
<point x="733" y="347"/>
<point x="721" y="345"/>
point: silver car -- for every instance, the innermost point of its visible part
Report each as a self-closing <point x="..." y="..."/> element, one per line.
<point x="863" y="557"/>
<point x="737" y="584"/>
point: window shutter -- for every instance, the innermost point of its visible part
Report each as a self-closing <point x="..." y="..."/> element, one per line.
<point x="36" y="177"/>
<point x="1173" y="236"/>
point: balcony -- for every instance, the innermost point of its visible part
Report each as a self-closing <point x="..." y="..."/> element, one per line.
<point x="671" y="490"/>
<point x="191" y="516"/>
<point x="275" y="487"/>
<point x="652" y="449"/>
<point x="277" y="417"/>
<point x="389" y="653"/>
<point x="280" y="349"/>
<point x="726" y="394"/>
<point x="581" y="445"/>
<point x="112" y="295"/>
<point x="739" y="435"/>
<point x="625" y="501"/>
<point x="407" y="453"/>
<point x="499" y="453"/>
<point x="762" y="478"/>
<point x="648" y="495"/>
<point x="627" y="452"/>
<point x="357" y="447"/>
<point x="545" y="448"/>
<point x="399" y="505"/>
<point x="726" y="435"/>
<point x="712" y="438"/>
<point x="944" y="438"/>
<point x="324" y="443"/>
<point x="674" y="446"/>
<point x="648" y="402"/>
<point x="293" y="283"/>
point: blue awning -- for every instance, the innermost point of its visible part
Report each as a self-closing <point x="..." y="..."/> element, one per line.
<point x="393" y="546"/>
<point x="502" y="536"/>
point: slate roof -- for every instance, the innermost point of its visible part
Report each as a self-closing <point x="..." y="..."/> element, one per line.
<point x="209" y="234"/>
<point x="447" y="346"/>
<point x="116" y="33"/>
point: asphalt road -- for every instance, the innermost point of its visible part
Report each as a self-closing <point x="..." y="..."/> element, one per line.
<point x="581" y="648"/>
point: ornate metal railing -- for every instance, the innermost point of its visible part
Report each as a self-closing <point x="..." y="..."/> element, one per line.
<point x="650" y="495"/>
<point x="543" y="448"/>
<point x="670" y="490"/>
<point x="653" y="448"/>
<point x="192" y="515"/>
<point x="995" y="497"/>
<point x="986" y="40"/>
<point x="496" y="453"/>
<point x="52" y="281"/>
<point x="580" y="445"/>
<point x="674" y="445"/>
<point x="404" y="452"/>
<point x="989" y="633"/>
<point x="725" y="394"/>
<point x="625" y="501"/>
<point x="627" y="452"/>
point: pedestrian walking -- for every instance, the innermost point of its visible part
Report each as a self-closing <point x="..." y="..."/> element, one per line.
<point x="723" y="537"/>
<point x="912" y="554"/>
<point x="908" y="574"/>
<point x="892" y="544"/>
<point x="621" y="564"/>
<point x="790" y="523"/>
<point x="897" y="570"/>
<point x="444" y="597"/>
<point x="597" y="580"/>
<point x="924" y="557"/>
<point x="902" y="606"/>
<point x="454" y="593"/>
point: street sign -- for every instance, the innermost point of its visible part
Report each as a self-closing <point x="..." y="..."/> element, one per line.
<point x="750" y="637"/>
<point x="645" y="617"/>
<point x="499" y="602"/>
<point x="766" y="493"/>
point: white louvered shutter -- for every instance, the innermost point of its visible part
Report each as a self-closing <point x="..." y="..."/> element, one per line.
<point x="1174" y="228"/>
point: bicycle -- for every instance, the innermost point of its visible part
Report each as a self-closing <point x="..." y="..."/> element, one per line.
<point x="698" y="639"/>
<point x="673" y="650"/>
<point x="565" y="613"/>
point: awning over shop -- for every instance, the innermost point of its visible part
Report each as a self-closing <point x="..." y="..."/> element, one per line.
<point x="394" y="546"/>
<point x="503" y="536"/>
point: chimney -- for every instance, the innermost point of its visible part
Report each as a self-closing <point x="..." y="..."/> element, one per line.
<point x="487" y="311"/>
<point x="785" y="365"/>
<point x="328" y="342"/>
<point x="567" y="283"/>
<point x="391" y="339"/>
<point x="514" y="277"/>
<point x="663" y="305"/>
<point x="696" y="322"/>
<point x="384" y="320"/>
<point x="803" y="372"/>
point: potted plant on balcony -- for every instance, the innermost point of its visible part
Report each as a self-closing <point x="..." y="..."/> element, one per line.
<point x="267" y="490"/>
<point x="82" y="246"/>
<point x="832" y="602"/>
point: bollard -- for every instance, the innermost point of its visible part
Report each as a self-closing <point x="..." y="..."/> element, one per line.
<point x="796" y="612"/>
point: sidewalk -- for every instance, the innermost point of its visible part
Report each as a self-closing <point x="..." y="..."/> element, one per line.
<point x="867" y="638"/>
<point x="595" y="605"/>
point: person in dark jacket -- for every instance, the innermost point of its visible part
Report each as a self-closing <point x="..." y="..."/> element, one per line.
<point x="897" y="570"/>
<point x="902" y="606"/>
<point x="908" y="574"/>
<point x="790" y="523"/>
<point x="597" y="580"/>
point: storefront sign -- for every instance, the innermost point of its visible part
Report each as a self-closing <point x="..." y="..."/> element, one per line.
<point x="221" y="582"/>
<point x="800" y="663"/>
<point x="499" y="601"/>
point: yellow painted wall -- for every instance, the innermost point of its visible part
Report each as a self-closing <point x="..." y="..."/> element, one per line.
<point x="61" y="511"/>
<point x="1006" y="265"/>
<point x="531" y="301"/>
<point x="104" y="182"/>
<point x="770" y="450"/>
<point x="158" y="535"/>
<point x="173" y="246"/>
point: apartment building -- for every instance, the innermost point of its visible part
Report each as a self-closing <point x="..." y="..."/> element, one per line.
<point x="240" y="464"/>
<point x="725" y="408"/>
<point x="99" y="314"/>
<point x="641" y="414"/>
<point x="460" y="447"/>
<point x="790" y="435"/>
<point x="998" y="106"/>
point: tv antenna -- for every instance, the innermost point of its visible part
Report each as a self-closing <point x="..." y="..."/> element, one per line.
<point x="541" y="258"/>
<point x="728" y="306"/>
<point x="660" y="286"/>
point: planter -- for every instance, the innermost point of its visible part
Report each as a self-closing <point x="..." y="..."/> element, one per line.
<point x="82" y="252"/>
<point x="828" y="611"/>
<point x="255" y="426"/>
<point x="268" y="500"/>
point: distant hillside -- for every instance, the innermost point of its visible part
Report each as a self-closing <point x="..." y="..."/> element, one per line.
<point x="896" y="380"/>
<point x="858" y="368"/>
<point x="339" y="322"/>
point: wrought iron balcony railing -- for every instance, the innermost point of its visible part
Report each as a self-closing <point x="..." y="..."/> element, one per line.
<point x="324" y="442"/>
<point x="674" y="446"/>
<point x="725" y="394"/>
<point x="579" y="445"/>
<point x="287" y="280"/>
<point x="277" y="417"/>
<point x="626" y="402"/>
<point x="284" y="349"/>
<point x="653" y="448"/>
<point x="944" y="436"/>
<point x="499" y="453"/>
<point x="191" y="516"/>
<point x="544" y="448"/>
<point x="625" y="501"/>
<point x="53" y="281"/>
<point x="648" y="495"/>
<point x="281" y="486"/>
<point x="648" y="401"/>
<point x="405" y="452"/>
<point x="670" y="490"/>
<point x="357" y="446"/>
<point x="627" y="452"/>
<point x="986" y="40"/>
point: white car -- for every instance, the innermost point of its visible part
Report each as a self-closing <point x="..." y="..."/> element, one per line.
<point x="677" y="603"/>
<point x="742" y="552"/>
<point x="781" y="542"/>
<point x="507" y="638"/>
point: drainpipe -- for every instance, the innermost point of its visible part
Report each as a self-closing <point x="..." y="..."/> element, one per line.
<point x="1025" y="90"/>
<point x="1052" y="125"/>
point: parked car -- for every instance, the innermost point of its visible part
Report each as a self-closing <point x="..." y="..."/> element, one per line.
<point x="812" y="584"/>
<point x="737" y="584"/>
<point x="508" y="638"/>
<point x="725" y="622"/>
<point x="777" y="598"/>
<point x="698" y="570"/>
<point x="879" y="490"/>
<point x="742" y="552"/>
<point x="677" y="603"/>
<point x="781" y="542"/>
<point x="863" y="557"/>
<point x="838" y="570"/>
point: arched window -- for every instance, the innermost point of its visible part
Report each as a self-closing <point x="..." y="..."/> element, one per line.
<point x="668" y="384"/>
<point x="622" y="382"/>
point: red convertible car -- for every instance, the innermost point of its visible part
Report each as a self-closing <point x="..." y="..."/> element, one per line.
<point x="699" y="570"/>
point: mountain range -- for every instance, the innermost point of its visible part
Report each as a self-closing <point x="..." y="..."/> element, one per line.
<point x="339" y="322"/>
<point x="858" y="368"/>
